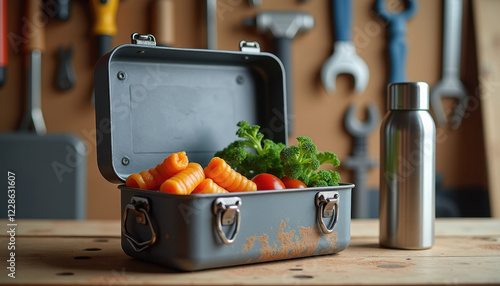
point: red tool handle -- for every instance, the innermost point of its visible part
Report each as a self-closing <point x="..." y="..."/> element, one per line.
<point x="3" y="41"/>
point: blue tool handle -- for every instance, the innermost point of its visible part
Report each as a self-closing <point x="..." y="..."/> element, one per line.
<point x="397" y="50"/>
<point x="342" y="18"/>
<point x="283" y="50"/>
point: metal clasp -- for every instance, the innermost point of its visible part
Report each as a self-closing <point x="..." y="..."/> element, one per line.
<point x="227" y="213"/>
<point x="327" y="207"/>
<point x="139" y="39"/>
<point x="140" y="206"/>
<point x="249" y="47"/>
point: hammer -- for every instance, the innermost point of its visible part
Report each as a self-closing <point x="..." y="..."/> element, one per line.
<point x="283" y="27"/>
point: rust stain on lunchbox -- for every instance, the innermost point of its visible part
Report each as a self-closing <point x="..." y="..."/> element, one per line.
<point x="291" y="245"/>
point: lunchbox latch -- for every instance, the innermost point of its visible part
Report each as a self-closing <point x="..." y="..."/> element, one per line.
<point x="227" y="212"/>
<point x="140" y="39"/>
<point x="140" y="206"/>
<point x="249" y="47"/>
<point x="327" y="204"/>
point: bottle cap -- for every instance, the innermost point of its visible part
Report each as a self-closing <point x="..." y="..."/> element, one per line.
<point x="408" y="96"/>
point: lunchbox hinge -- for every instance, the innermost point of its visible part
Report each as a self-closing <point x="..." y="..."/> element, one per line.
<point x="227" y="213"/>
<point x="140" y="39"/>
<point x="327" y="204"/>
<point x="249" y="47"/>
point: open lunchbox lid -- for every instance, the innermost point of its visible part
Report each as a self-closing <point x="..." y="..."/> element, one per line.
<point x="152" y="101"/>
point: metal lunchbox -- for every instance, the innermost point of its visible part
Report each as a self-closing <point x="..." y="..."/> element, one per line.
<point x="152" y="101"/>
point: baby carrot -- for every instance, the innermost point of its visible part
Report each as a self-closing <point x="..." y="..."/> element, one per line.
<point x="184" y="182"/>
<point x="155" y="176"/>
<point x="223" y="175"/>
<point x="208" y="186"/>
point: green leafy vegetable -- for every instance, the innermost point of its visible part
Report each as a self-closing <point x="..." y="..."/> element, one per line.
<point x="255" y="155"/>
<point x="303" y="161"/>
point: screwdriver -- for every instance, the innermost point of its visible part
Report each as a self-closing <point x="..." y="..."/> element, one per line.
<point x="105" y="24"/>
<point x="3" y="42"/>
<point x="35" y="46"/>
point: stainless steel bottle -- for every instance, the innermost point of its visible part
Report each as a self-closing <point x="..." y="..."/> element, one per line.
<point x="407" y="168"/>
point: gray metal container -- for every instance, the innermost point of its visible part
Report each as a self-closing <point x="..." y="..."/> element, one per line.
<point x="407" y="169"/>
<point x="152" y="101"/>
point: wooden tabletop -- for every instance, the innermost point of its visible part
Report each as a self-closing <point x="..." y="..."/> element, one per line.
<point x="467" y="251"/>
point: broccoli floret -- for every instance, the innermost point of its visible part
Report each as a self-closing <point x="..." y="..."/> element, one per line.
<point x="324" y="178"/>
<point x="303" y="161"/>
<point x="254" y="154"/>
<point x="328" y="158"/>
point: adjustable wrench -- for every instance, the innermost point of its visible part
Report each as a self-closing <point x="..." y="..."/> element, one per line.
<point x="397" y="41"/>
<point x="450" y="84"/>
<point x="359" y="161"/>
<point x="344" y="58"/>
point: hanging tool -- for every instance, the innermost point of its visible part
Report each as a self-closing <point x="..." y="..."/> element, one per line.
<point x="58" y="9"/>
<point x="105" y="24"/>
<point x="66" y="77"/>
<point x="3" y="42"/>
<point x="211" y="24"/>
<point x="359" y="162"/>
<point x="450" y="84"/>
<point x="397" y="40"/>
<point x="163" y="22"/>
<point x="344" y="58"/>
<point x="33" y="118"/>
<point x="284" y="26"/>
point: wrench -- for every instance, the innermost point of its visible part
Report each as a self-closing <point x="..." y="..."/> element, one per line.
<point x="359" y="161"/>
<point x="450" y="84"/>
<point x="344" y="58"/>
<point x="397" y="41"/>
<point x="66" y="76"/>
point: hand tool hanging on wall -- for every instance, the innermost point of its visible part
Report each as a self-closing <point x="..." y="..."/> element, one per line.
<point x="105" y="24"/>
<point x="58" y="9"/>
<point x="344" y="58"/>
<point x="397" y="40"/>
<point x="211" y="24"/>
<point x="3" y="42"/>
<point x="66" y="77"/>
<point x="284" y="26"/>
<point x="163" y="22"/>
<point x="450" y="84"/>
<point x="33" y="118"/>
<point x="359" y="162"/>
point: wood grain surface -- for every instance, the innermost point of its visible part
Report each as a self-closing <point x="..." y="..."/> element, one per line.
<point x="467" y="251"/>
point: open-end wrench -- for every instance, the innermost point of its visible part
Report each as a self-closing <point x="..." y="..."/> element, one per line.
<point x="344" y="58"/>
<point x="397" y="38"/>
<point x="359" y="162"/>
<point x="66" y="77"/>
<point x="450" y="84"/>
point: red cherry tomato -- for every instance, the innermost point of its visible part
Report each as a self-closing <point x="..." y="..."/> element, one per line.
<point x="268" y="182"/>
<point x="293" y="183"/>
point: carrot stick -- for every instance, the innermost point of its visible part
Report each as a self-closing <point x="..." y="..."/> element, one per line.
<point x="184" y="182"/>
<point x="152" y="178"/>
<point x="223" y="175"/>
<point x="208" y="186"/>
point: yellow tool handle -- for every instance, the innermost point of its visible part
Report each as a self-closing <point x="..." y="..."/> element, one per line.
<point x="36" y="28"/>
<point x="105" y="16"/>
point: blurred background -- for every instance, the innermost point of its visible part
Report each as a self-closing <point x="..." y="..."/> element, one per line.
<point x="66" y="80"/>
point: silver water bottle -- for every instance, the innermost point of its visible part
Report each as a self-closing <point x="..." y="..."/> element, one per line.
<point x="407" y="168"/>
